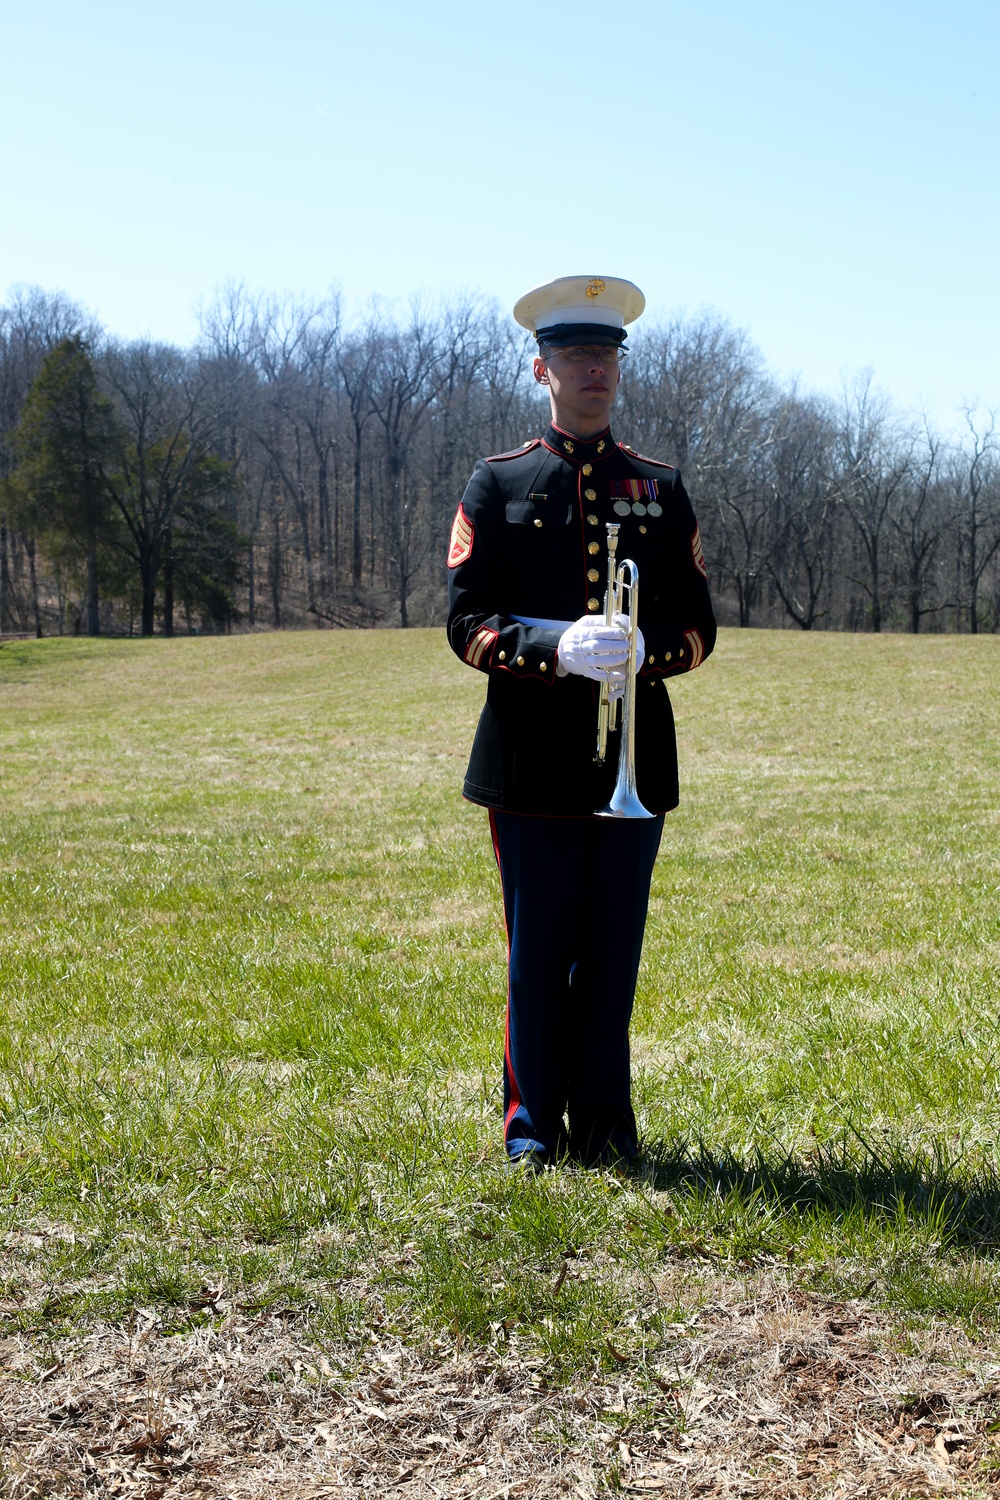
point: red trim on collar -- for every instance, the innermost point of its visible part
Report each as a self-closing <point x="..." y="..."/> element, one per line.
<point x="584" y="450"/>
<point x="575" y="436"/>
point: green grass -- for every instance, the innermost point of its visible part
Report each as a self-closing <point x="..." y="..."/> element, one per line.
<point x="252" y="985"/>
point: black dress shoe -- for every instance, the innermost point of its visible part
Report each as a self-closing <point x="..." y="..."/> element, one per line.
<point x="533" y="1159"/>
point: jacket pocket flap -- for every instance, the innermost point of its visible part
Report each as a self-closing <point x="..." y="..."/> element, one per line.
<point x="538" y="508"/>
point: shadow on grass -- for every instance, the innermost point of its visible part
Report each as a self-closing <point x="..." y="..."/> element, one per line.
<point x="846" y="1177"/>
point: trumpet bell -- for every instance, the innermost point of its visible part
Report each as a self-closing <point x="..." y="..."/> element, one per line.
<point x="624" y="806"/>
<point x="624" y="802"/>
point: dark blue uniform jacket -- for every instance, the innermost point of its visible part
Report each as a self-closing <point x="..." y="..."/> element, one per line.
<point x="530" y="540"/>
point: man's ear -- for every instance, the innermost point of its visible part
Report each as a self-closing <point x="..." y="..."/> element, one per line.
<point x="541" y="374"/>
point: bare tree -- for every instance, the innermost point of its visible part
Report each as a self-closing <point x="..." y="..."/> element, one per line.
<point x="357" y="363"/>
<point x="411" y="371"/>
<point x="800" y="470"/>
<point x="298" y="355"/>
<point x="875" y="453"/>
<point x="976" y="482"/>
<point x="338" y="449"/>
<point x="919" y="519"/>
<point x="695" y="392"/>
<point x="166" y="456"/>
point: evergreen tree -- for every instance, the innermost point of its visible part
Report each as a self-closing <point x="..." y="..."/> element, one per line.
<point x="64" y="445"/>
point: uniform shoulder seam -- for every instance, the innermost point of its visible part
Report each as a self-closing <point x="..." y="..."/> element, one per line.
<point x="643" y="459"/>
<point x="496" y="458"/>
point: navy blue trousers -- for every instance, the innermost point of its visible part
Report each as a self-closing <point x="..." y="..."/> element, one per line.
<point x="575" y="893"/>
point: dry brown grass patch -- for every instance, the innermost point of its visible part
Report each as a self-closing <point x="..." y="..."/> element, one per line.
<point x="764" y="1390"/>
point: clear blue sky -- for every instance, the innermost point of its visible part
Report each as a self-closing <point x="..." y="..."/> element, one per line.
<point x="823" y="174"/>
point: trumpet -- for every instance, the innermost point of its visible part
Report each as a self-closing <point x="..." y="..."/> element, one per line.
<point x="623" y="578"/>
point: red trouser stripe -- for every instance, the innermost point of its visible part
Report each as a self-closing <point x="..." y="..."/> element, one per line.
<point x="515" y="1093"/>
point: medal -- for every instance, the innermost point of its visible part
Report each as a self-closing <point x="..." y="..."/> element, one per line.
<point x="622" y="508"/>
<point x="642" y="494"/>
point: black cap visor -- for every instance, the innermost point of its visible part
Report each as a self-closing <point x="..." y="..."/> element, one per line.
<point x="560" y="334"/>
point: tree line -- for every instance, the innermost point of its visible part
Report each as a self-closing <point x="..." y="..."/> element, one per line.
<point x="295" y="468"/>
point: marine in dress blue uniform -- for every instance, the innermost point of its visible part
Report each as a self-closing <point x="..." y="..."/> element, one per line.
<point x="527" y="572"/>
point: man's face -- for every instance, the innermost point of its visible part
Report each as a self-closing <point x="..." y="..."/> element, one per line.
<point x="583" y="382"/>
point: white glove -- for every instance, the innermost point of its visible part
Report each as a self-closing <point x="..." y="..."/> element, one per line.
<point x="590" y="648"/>
<point x="617" y="686"/>
<point x="640" y="644"/>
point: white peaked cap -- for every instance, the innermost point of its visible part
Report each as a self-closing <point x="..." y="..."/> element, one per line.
<point x="603" y="300"/>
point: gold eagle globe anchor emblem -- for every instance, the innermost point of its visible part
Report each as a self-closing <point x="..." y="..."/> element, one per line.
<point x="595" y="288"/>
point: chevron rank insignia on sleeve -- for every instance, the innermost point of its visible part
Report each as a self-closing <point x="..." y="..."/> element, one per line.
<point x="697" y="554"/>
<point x="462" y="536"/>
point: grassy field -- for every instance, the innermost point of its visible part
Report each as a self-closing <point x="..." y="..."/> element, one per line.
<point x="252" y="983"/>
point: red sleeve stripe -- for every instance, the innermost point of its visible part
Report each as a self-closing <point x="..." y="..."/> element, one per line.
<point x="483" y="638"/>
<point x="696" y="649"/>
